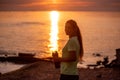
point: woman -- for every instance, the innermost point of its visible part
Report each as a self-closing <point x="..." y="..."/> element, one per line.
<point x="71" y="53"/>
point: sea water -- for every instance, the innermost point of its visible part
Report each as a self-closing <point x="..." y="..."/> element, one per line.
<point x="29" y="31"/>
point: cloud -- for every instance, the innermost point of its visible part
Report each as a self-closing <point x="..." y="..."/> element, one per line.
<point x="105" y="5"/>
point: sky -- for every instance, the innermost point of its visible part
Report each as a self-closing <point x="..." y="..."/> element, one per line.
<point x="64" y="5"/>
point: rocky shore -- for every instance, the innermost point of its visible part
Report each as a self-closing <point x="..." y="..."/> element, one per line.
<point x="45" y="70"/>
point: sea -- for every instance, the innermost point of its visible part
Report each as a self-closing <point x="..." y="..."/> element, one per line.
<point x="42" y="32"/>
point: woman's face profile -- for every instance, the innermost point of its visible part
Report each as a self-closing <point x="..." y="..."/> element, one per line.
<point x="67" y="28"/>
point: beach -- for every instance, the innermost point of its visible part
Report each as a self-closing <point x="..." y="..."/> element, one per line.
<point x="45" y="70"/>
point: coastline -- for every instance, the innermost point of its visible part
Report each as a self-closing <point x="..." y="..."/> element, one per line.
<point x="45" y="70"/>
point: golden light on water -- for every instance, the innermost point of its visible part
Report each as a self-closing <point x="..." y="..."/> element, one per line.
<point x="54" y="16"/>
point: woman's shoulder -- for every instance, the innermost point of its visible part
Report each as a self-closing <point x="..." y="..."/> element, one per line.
<point x="73" y="38"/>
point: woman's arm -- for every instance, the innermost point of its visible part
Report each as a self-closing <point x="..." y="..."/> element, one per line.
<point x="70" y="58"/>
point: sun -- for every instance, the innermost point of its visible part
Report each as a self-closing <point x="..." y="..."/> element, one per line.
<point x="54" y="1"/>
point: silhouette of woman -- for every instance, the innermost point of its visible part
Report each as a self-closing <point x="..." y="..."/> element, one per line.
<point x="71" y="53"/>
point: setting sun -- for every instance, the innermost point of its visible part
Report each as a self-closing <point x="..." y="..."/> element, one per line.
<point x="54" y="16"/>
<point x="54" y="1"/>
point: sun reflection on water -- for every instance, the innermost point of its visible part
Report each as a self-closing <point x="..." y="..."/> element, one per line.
<point x="54" y="17"/>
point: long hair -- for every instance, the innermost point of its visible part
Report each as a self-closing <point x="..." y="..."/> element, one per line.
<point x="76" y="31"/>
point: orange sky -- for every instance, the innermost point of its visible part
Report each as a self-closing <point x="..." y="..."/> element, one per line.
<point x="104" y="5"/>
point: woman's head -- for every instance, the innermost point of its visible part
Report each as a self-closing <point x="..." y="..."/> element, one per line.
<point x="71" y="27"/>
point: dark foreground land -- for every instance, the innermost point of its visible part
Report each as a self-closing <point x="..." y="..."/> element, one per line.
<point x="44" y="70"/>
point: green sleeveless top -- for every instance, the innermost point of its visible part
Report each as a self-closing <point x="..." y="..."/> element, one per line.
<point x="70" y="68"/>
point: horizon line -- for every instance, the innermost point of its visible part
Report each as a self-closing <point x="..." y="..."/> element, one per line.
<point x="67" y="10"/>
